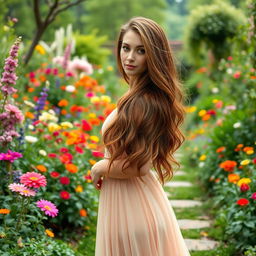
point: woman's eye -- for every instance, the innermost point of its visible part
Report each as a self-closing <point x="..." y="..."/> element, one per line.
<point x="141" y="51"/>
<point x="125" y="48"/>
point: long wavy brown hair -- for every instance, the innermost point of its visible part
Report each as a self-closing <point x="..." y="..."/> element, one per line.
<point x="150" y="113"/>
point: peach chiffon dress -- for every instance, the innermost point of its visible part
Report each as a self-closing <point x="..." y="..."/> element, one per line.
<point x="136" y="218"/>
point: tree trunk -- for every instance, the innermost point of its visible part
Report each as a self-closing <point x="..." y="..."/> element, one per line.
<point x="35" y="41"/>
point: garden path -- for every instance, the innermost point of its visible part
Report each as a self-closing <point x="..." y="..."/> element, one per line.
<point x="189" y="224"/>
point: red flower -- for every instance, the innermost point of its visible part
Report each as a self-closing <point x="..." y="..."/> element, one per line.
<point x="64" y="195"/>
<point x="56" y="133"/>
<point x="97" y="154"/>
<point x="211" y="112"/>
<point x="52" y="155"/>
<point x="64" y="150"/>
<point x="86" y="126"/>
<point x="237" y="74"/>
<point x="64" y="180"/>
<point x="244" y="187"/>
<point x="79" y="150"/>
<point x="254" y="160"/>
<point x="242" y="201"/>
<point x="54" y="174"/>
<point x="89" y="177"/>
<point x="66" y="158"/>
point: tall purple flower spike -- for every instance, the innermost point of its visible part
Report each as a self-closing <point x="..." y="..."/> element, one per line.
<point x="8" y="76"/>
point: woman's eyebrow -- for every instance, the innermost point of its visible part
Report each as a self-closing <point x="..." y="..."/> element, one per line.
<point x="136" y="46"/>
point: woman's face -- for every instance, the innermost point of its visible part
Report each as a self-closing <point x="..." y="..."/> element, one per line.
<point x="132" y="54"/>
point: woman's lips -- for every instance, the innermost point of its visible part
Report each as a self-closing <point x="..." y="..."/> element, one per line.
<point x="130" y="66"/>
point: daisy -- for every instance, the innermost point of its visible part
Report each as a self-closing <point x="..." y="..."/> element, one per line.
<point x="21" y="189"/>
<point x="33" y="179"/>
<point x="47" y="207"/>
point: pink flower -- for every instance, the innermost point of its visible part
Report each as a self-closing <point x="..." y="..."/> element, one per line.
<point x="64" y="180"/>
<point x="10" y="156"/>
<point x="237" y="74"/>
<point x="14" y="112"/>
<point x="64" y="150"/>
<point x="33" y="179"/>
<point x="89" y="94"/>
<point x="253" y="196"/>
<point x="9" y="77"/>
<point x="21" y="189"/>
<point x="230" y="58"/>
<point x="47" y="207"/>
<point x="80" y="65"/>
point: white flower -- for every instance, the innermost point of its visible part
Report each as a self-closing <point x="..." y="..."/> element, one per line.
<point x="229" y="71"/>
<point x="31" y="127"/>
<point x="29" y="103"/>
<point x="31" y="139"/>
<point x="237" y="125"/>
<point x="42" y="152"/>
<point x="70" y="88"/>
<point x="215" y="90"/>
<point x="66" y="125"/>
<point x="45" y="116"/>
<point x="201" y="164"/>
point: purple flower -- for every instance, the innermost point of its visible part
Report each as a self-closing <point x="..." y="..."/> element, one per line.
<point x="14" y="113"/>
<point x="10" y="156"/>
<point x="9" y="77"/>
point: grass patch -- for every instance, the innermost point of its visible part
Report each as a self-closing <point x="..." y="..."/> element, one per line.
<point x="214" y="233"/>
<point x="222" y="250"/>
<point x="192" y="213"/>
<point x="193" y="192"/>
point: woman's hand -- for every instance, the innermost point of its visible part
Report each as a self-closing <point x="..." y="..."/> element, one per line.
<point x="97" y="173"/>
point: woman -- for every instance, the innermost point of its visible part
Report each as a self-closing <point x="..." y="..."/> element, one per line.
<point x="135" y="217"/>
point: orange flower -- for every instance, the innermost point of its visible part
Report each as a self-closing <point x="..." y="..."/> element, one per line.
<point x="245" y="149"/>
<point x="220" y="149"/>
<point x="42" y="78"/>
<point x="228" y="165"/>
<point x="15" y="95"/>
<point x="94" y="121"/>
<point x="63" y="88"/>
<point x="233" y="178"/>
<point x="29" y="115"/>
<point x="240" y="145"/>
<point x="206" y="117"/>
<point x="31" y="89"/>
<point x="71" y="168"/>
<point x="83" y="213"/>
<point x="64" y="112"/>
<point x="41" y="168"/>
<point x="63" y="103"/>
<point x="49" y="233"/>
<point x="4" y="211"/>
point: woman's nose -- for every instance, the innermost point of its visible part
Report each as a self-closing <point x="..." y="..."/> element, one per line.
<point x="130" y="55"/>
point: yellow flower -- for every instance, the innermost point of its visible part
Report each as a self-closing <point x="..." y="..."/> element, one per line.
<point x="88" y="172"/>
<point x="6" y="28"/>
<point x="95" y="99"/>
<point x="92" y="115"/>
<point x="66" y="125"/>
<point x="110" y="68"/>
<point x="200" y="131"/>
<point x="49" y="233"/>
<point x="215" y="101"/>
<point x="249" y="152"/>
<point x="202" y="112"/>
<point x="202" y="157"/>
<point x="92" y="146"/>
<point x="245" y="162"/>
<point x="191" y="109"/>
<point x="243" y="180"/>
<point x="79" y="189"/>
<point x="39" y="48"/>
<point x="94" y="138"/>
<point x="45" y="116"/>
<point x="52" y="127"/>
<point x="92" y="162"/>
<point x="105" y="98"/>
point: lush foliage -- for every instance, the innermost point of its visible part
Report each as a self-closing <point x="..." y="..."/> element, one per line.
<point x="221" y="131"/>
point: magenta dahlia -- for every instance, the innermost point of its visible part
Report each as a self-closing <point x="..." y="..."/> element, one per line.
<point x="47" y="207"/>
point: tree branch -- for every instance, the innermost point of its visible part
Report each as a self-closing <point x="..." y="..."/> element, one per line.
<point x="37" y="13"/>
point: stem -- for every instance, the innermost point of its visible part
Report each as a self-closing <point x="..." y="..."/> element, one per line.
<point x="20" y="215"/>
<point x="5" y="99"/>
